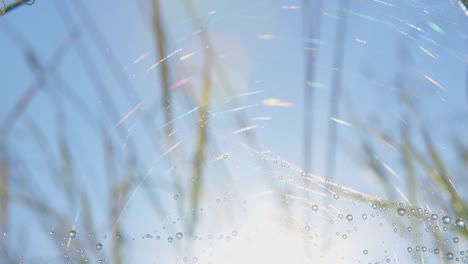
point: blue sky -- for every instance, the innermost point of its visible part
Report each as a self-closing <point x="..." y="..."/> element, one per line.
<point x="259" y="46"/>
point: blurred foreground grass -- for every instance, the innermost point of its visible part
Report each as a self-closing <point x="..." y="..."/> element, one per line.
<point x="427" y="176"/>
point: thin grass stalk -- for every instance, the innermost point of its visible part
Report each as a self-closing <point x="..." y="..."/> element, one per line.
<point x="201" y="145"/>
<point x="165" y="82"/>
<point x="335" y="93"/>
<point x="31" y="91"/>
<point x="109" y="57"/>
<point x="311" y="25"/>
<point x="408" y="163"/>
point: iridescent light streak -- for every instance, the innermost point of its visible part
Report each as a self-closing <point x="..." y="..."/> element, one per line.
<point x="435" y="27"/>
<point x="142" y="57"/>
<point x="411" y="25"/>
<point x="361" y="41"/>
<point x="339" y="121"/>
<point x="186" y="56"/>
<point x="372" y="19"/>
<point x="163" y="59"/>
<point x="277" y="102"/>
<point x="384" y="3"/>
<point x="401" y="193"/>
<point x="244" y="94"/>
<point x="453" y="186"/>
<point x="242" y="130"/>
<point x="292" y="7"/>
<point x="316" y="85"/>
<point x="156" y="160"/>
<point x="434" y="82"/>
<point x="180" y="83"/>
<point x="250" y="93"/>
<point x="239" y="108"/>
<point x="179" y="117"/>
<point x="266" y="36"/>
<point x="125" y="117"/>
<point x="130" y="129"/>
<point x="389" y="169"/>
<point x="172" y="133"/>
<point x="427" y="52"/>
<point x="263" y="118"/>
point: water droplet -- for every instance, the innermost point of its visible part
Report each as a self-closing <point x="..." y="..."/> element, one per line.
<point x="436" y="251"/>
<point x="315" y="207"/>
<point x="460" y="222"/>
<point x="234" y="232"/>
<point x="434" y="216"/>
<point x="72" y="234"/>
<point x="169" y="239"/>
<point x="374" y="206"/>
<point x="98" y="246"/>
<point x="51" y="232"/>
<point x="450" y="256"/>
<point x="344" y="236"/>
<point x="176" y="197"/>
<point x="409" y="249"/>
<point x="447" y="220"/>
<point x="364" y="216"/>
<point x="401" y="211"/>
<point x="365" y="251"/>
<point x="307" y="228"/>
<point x="349" y="217"/>
<point x="456" y="240"/>
<point x="336" y="196"/>
<point x="179" y="235"/>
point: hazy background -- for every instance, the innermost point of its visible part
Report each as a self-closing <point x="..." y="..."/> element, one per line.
<point x="132" y="120"/>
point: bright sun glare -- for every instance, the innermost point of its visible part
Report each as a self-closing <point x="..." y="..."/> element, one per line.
<point x="268" y="237"/>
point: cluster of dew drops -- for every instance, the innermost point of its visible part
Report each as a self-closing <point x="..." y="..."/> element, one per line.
<point x="401" y="211"/>
<point x="72" y="234"/>
<point x="447" y="221"/>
